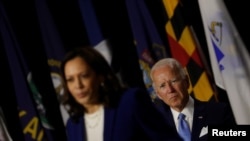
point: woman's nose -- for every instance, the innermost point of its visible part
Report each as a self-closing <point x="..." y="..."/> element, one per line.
<point x="79" y="83"/>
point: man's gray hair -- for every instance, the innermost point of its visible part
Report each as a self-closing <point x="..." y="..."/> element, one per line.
<point x="172" y="63"/>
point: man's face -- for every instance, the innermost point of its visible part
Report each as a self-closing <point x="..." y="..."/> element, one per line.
<point x="171" y="87"/>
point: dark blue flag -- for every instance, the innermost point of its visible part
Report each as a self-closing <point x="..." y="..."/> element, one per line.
<point x="149" y="45"/>
<point x="54" y="49"/>
<point x="31" y="110"/>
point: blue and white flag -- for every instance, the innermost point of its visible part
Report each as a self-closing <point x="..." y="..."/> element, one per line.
<point x="229" y="57"/>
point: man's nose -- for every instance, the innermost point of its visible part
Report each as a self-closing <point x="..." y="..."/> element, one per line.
<point x="169" y="87"/>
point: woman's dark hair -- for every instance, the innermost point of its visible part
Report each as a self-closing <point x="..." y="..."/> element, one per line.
<point x="109" y="92"/>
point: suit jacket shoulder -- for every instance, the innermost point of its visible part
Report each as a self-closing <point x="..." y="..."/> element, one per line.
<point x="208" y="114"/>
<point x="75" y="129"/>
<point x="216" y="113"/>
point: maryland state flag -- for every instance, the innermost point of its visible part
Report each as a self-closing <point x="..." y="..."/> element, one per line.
<point x="184" y="48"/>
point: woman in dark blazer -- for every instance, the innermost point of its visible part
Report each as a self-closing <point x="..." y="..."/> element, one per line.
<point x="100" y="108"/>
<point x="92" y="93"/>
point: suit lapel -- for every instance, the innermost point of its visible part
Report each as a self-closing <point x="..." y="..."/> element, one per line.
<point x="109" y="115"/>
<point x="199" y="120"/>
<point x="168" y="116"/>
<point x="79" y="130"/>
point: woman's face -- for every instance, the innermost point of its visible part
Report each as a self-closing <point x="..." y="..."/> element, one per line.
<point x="81" y="80"/>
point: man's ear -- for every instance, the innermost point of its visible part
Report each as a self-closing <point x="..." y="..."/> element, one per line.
<point x="155" y="91"/>
<point x="158" y="95"/>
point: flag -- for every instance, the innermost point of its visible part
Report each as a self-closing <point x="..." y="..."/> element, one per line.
<point x="8" y="100"/>
<point x="93" y="29"/>
<point x="229" y="57"/>
<point x="4" y="133"/>
<point x="54" y="49"/>
<point x="148" y="43"/>
<point x="184" y="48"/>
<point x="32" y="116"/>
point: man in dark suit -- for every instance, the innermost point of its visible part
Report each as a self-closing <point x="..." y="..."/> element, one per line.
<point x="171" y="83"/>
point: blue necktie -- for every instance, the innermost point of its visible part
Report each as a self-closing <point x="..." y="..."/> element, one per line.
<point x="183" y="127"/>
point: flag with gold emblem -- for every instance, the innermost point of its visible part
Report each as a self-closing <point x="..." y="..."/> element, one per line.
<point x="32" y="113"/>
<point x="149" y="46"/>
<point x="55" y="52"/>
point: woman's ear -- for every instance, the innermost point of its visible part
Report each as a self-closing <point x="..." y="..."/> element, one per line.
<point x="101" y="79"/>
